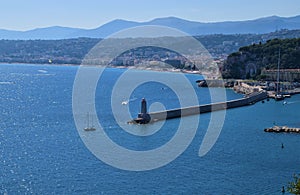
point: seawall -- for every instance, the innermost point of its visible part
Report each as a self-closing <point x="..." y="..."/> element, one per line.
<point x="284" y="129"/>
<point x="175" y="113"/>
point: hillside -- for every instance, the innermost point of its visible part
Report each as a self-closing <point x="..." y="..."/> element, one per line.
<point x="194" y="28"/>
<point x="250" y="60"/>
<point x="72" y="51"/>
<point x="66" y="51"/>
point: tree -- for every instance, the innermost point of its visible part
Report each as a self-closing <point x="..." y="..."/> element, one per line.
<point x="294" y="186"/>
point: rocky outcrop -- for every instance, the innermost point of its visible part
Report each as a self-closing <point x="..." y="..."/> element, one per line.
<point x="242" y="65"/>
<point x="215" y="83"/>
<point x="244" y="88"/>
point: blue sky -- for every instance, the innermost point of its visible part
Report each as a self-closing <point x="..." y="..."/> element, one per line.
<point x="29" y="14"/>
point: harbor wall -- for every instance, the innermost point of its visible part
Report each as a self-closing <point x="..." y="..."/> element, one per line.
<point x="284" y="129"/>
<point x="180" y="112"/>
<point x="289" y="75"/>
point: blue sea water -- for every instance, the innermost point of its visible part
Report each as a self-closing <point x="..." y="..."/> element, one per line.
<point x="41" y="151"/>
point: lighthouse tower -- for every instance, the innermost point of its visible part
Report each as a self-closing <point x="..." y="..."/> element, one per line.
<point x="143" y="116"/>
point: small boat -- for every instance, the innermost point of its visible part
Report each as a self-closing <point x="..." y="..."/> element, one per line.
<point x="279" y="97"/>
<point x="124" y="103"/>
<point x="89" y="128"/>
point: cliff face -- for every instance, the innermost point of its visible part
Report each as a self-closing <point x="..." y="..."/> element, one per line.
<point x="250" y="60"/>
<point x="242" y="65"/>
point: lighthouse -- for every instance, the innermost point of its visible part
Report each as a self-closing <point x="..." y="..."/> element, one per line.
<point x="143" y="116"/>
<point x="144" y="106"/>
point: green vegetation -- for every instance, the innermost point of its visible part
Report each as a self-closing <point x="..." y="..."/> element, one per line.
<point x="250" y="60"/>
<point x="220" y="44"/>
<point x="294" y="186"/>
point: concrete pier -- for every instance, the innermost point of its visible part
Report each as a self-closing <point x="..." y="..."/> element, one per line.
<point x="282" y="129"/>
<point x="288" y="93"/>
<point x="180" y="112"/>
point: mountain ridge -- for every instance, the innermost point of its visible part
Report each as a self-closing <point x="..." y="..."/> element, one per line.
<point x="255" y="26"/>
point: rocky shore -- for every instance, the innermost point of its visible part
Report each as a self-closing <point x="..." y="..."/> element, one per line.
<point x="215" y="83"/>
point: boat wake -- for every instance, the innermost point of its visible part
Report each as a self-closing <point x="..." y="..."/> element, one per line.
<point x="43" y="71"/>
<point x="44" y="74"/>
<point x="6" y="83"/>
<point x="287" y="103"/>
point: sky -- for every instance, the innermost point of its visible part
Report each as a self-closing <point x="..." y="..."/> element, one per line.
<point x="30" y="14"/>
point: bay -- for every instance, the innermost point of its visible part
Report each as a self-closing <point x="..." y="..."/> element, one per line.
<point x="41" y="151"/>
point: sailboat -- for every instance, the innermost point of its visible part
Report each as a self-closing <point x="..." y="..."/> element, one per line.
<point x="278" y="96"/>
<point x="89" y="128"/>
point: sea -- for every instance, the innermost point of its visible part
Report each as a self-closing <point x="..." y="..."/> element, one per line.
<point x="42" y="151"/>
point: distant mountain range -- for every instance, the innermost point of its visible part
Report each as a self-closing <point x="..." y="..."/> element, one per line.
<point x="257" y="26"/>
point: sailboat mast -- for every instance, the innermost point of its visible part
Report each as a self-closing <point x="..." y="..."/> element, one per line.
<point x="88" y="119"/>
<point x="89" y="128"/>
<point x="278" y="72"/>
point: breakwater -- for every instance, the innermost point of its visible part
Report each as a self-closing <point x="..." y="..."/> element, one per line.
<point x="186" y="111"/>
<point x="282" y="129"/>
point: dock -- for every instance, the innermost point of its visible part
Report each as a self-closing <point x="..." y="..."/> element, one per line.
<point x="287" y="94"/>
<point x="200" y="109"/>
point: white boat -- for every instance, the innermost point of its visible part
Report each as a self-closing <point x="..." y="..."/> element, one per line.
<point x="279" y="97"/>
<point x="89" y="127"/>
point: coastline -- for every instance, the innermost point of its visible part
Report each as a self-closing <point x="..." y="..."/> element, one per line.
<point x="101" y="66"/>
<point x="32" y="64"/>
<point x="237" y="85"/>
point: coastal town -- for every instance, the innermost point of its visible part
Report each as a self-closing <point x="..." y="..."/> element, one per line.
<point x="72" y="51"/>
